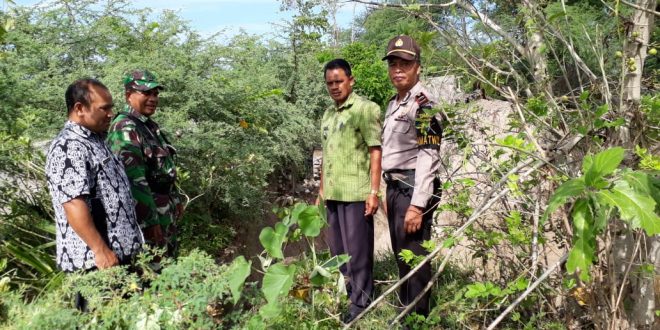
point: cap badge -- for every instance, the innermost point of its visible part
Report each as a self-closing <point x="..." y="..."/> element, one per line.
<point x="398" y="43"/>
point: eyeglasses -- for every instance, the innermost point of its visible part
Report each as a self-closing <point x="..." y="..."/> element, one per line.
<point x="151" y="92"/>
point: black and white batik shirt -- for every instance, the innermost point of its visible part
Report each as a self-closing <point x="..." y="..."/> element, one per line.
<point x="80" y="164"/>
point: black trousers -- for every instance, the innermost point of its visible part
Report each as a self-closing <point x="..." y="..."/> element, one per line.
<point x="398" y="201"/>
<point x="352" y="233"/>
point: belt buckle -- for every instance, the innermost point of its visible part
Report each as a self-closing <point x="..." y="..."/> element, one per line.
<point x="387" y="176"/>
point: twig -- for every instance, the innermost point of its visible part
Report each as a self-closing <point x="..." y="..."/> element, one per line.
<point x="427" y="5"/>
<point x="641" y="8"/>
<point x="527" y="292"/>
<point x="623" y="281"/>
<point x="535" y="238"/>
<point x="487" y="204"/>
<point x="516" y="104"/>
<point x="457" y="234"/>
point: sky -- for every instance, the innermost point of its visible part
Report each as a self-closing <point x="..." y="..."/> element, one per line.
<point x="211" y="16"/>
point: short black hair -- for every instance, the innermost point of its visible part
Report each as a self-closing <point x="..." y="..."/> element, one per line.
<point x="338" y="63"/>
<point x="78" y="91"/>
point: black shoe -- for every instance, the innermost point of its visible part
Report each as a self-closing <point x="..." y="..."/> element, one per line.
<point x="348" y="317"/>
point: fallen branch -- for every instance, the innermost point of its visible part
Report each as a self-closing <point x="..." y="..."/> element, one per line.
<point x="527" y="292"/>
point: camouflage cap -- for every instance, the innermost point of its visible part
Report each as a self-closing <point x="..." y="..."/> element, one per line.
<point x="403" y="47"/>
<point x="141" y="80"/>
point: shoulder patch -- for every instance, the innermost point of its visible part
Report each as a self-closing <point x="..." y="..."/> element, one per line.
<point x="423" y="101"/>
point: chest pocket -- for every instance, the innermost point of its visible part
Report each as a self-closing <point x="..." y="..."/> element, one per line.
<point x="158" y="170"/>
<point x="401" y="124"/>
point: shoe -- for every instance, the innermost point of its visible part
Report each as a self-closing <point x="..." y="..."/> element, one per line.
<point x="348" y="317"/>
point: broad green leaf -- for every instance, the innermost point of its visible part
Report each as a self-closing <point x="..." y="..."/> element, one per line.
<point x="277" y="281"/>
<point x="3" y="264"/>
<point x="310" y="221"/>
<point x="335" y="262"/>
<point x="580" y="258"/>
<point x="320" y="276"/>
<point x="295" y="212"/>
<point x="270" y="310"/>
<point x="568" y="189"/>
<point x="582" y="219"/>
<point x="644" y="184"/>
<point x="636" y="208"/>
<point x="601" y="214"/>
<point x="604" y="163"/>
<point x="238" y="271"/>
<point x="272" y="240"/>
<point x="582" y="254"/>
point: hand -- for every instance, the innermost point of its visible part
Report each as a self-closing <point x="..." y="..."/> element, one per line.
<point x="178" y="211"/>
<point x="413" y="220"/>
<point x="155" y="235"/>
<point x="318" y="198"/>
<point x="371" y="205"/>
<point x="105" y="258"/>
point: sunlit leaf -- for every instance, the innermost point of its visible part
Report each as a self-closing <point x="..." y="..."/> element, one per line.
<point x="277" y="281"/>
<point x="568" y="189"/>
<point x="634" y="207"/>
<point x="272" y="240"/>
<point x="603" y="163"/>
<point x="238" y="271"/>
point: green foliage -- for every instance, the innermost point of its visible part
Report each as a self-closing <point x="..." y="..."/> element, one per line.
<point x="194" y="292"/>
<point x="370" y="72"/>
<point x="600" y="191"/>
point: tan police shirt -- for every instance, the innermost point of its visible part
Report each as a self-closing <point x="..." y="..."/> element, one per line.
<point x="400" y="146"/>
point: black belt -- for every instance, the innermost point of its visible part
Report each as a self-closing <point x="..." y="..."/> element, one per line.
<point x="403" y="179"/>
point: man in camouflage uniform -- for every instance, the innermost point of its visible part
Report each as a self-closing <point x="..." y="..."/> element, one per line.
<point x="149" y="159"/>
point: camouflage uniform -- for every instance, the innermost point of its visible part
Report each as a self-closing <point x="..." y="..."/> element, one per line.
<point x="150" y="162"/>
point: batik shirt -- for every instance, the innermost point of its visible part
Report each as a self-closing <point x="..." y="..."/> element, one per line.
<point x="79" y="164"/>
<point x="149" y="160"/>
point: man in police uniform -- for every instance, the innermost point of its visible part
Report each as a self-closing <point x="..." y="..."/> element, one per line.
<point x="350" y="178"/>
<point x="149" y="159"/>
<point x="411" y="143"/>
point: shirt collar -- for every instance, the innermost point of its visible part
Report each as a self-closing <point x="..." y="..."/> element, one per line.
<point x="79" y="129"/>
<point x="135" y="113"/>
<point x="347" y="104"/>
<point x="413" y="91"/>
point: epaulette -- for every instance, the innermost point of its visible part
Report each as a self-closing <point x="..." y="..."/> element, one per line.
<point x="422" y="100"/>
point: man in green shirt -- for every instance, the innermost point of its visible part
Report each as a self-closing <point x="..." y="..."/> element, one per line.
<point x="350" y="178"/>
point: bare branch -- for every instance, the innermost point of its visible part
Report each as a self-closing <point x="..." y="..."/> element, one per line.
<point x="493" y="26"/>
<point x="426" y="5"/>
<point x="527" y="292"/>
<point x="641" y="8"/>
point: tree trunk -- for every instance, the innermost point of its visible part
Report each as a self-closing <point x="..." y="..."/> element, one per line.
<point x="644" y="285"/>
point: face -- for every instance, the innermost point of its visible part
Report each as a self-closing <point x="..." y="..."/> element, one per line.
<point x="404" y="74"/>
<point x="144" y="102"/>
<point x="97" y="116"/>
<point x="339" y="85"/>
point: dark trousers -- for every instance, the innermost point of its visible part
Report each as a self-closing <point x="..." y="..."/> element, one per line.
<point x="352" y="233"/>
<point x="398" y="201"/>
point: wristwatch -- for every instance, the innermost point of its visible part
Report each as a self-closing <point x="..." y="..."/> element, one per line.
<point x="375" y="192"/>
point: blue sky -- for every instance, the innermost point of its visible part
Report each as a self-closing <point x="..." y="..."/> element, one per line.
<point x="210" y="16"/>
